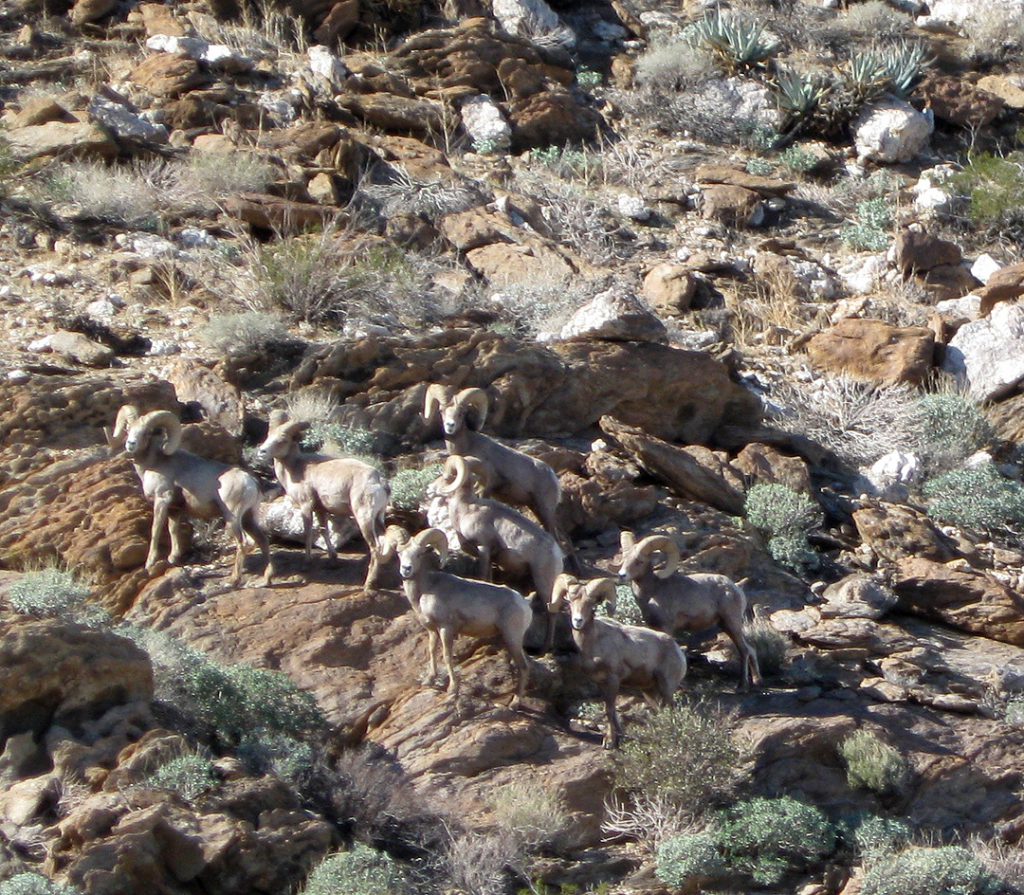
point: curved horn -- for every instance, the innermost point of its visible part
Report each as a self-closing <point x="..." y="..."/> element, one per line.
<point x="626" y="540"/>
<point x="436" y="396"/>
<point x="479" y="472"/>
<point x="394" y="539"/>
<point x="475" y="399"/>
<point x="665" y="545"/>
<point x="562" y="584"/>
<point x="278" y="418"/>
<point x="293" y="428"/>
<point x="169" y="422"/>
<point x="435" y="539"/>
<point x="603" y="589"/>
<point x="454" y="466"/>
<point x="127" y="415"/>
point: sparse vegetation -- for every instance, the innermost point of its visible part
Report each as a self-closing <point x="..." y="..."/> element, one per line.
<point x="926" y="871"/>
<point x="409" y="486"/>
<point x="188" y="775"/>
<point x="878" y="837"/>
<point x="873" y="764"/>
<point x="533" y="814"/>
<point x="737" y="43"/>
<point x="872" y="231"/>
<point x="270" y="752"/>
<point x="243" y="334"/>
<point x="361" y="871"/>
<point x="785" y="518"/>
<point x="688" y="860"/>
<point x="951" y="428"/>
<point x="8" y="165"/>
<point x="52" y="592"/>
<point x="994" y="186"/>
<point x="34" y="884"/>
<point x="770" y="645"/>
<point x="978" y="497"/>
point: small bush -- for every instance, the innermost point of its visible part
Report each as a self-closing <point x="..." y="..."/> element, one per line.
<point x="949" y="870"/>
<point x="784" y="517"/>
<point x="409" y="486"/>
<point x="277" y="753"/>
<point x="34" y="884"/>
<point x="361" y="871"/>
<point x="129" y="196"/>
<point x="688" y="859"/>
<point x="187" y="775"/>
<point x="478" y="863"/>
<point x="588" y="79"/>
<point x="769" y="838"/>
<point x="872" y="764"/>
<point x="873" y="227"/>
<point x="219" y="175"/>
<point x="243" y="334"/>
<point x="674" y="66"/>
<point x="532" y="813"/>
<point x="55" y="593"/>
<point x="687" y="753"/>
<point x="1014" y="713"/>
<point x="797" y="160"/>
<point x="351" y="441"/>
<point x="995" y="187"/>
<point x="876" y="20"/>
<point x="952" y="427"/>
<point x="8" y="165"/>
<point x="878" y="837"/>
<point x="770" y="645"/>
<point x="978" y="497"/>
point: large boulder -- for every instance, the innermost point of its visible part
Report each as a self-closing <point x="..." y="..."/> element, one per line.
<point x="987" y="356"/>
<point x="1004" y="284"/>
<point x="615" y="316"/>
<point x="68" y="140"/>
<point x="874" y="350"/>
<point x="891" y="131"/>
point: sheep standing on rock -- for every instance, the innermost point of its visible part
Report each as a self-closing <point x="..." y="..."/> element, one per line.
<point x="493" y="532"/>
<point x="448" y="605"/>
<point x="617" y="655"/>
<point x="327" y="487"/>
<point x="672" y="602"/>
<point x="511" y="476"/>
<point x="179" y="484"/>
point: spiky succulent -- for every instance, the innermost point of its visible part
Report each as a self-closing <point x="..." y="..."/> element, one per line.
<point x="737" y="42"/>
<point x="798" y="94"/>
<point x="903" y="64"/>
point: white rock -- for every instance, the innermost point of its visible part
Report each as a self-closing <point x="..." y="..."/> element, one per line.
<point x="891" y="131"/>
<point x="148" y="245"/>
<point x="896" y="466"/>
<point x="987" y="355"/>
<point x="968" y="306"/>
<point x="931" y="196"/>
<point x="633" y="207"/>
<point x="18" y="377"/>
<point x="531" y="17"/>
<point x="956" y="14"/>
<point x="197" y="238"/>
<point x="222" y="57"/>
<point x="324" y="64"/>
<point x="163" y="348"/>
<point x="124" y="123"/>
<point x="102" y="307"/>
<point x="193" y="47"/>
<point x="282" y="110"/>
<point x="282" y="520"/>
<point x="615" y="315"/>
<point x="41" y="345"/>
<point x="978" y="458"/>
<point x="983" y="267"/>
<point x="738" y="99"/>
<point x="818" y="282"/>
<point x="486" y="124"/>
<point x="862" y="274"/>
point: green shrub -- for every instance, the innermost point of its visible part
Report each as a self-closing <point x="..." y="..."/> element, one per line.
<point x="784" y="517"/>
<point x="243" y="334"/>
<point x="871" y="232"/>
<point x="952" y="427"/>
<point x="187" y="775"/>
<point x="687" y="753"/>
<point x="126" y="195"/>
<point x="876" y="19"/>
<point x="770" y="645"/>
<point x="268" y="752"/>
<point x="223" y="174"/>
<point x="995" y="186"/>
<point x="674" y="66"/>
<point x="878" y="837"/>
<point x="978" y="497"/>
<point x="361" y="871"/>
<point x="8" y="165"/>
<point x="691" y="858"/>
<point x="760" y="167"/>
<point x="769" y="838"/>
<point x="409" y="486"/>
<point x="55" y="593"/>
<point x="34" y="884"/>
<point x="352" y="441"/>
<point x="872" y="764"/>
<point x="627" y="610"/>
<point x="798" y="160"/>
<point x="588" y="79"/>
<point x="949" y="870"/>
<point x="533" y="813"/>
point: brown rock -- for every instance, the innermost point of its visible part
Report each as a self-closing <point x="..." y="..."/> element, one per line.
<point x="949" y="281"/>
<point x="874" y="350"/>
<point x="531" y="261"/>
<point x="78" y="140"/>
<point x="85" y="11"/>
<point x="733" y="206"/>
<point x="1008" y="87"/>
<point x="40" y="110"/>
<point x="195" y="384"/>
<point x="767" y="187"/>
<point x="411" y="231"/>
<point x="323" y="188"/>
<point x="338" y="23"/>
<point x="1006" y="284"/>
<point x="669" y="288"/>
<point x="166" y="76"/>
<point x="761" y="464"/>
<point x="476" y="227"/>
<point x="159" y="19"/>
<point x="551" y="117"/>
<point x="958" y="102"/>
<point x="960" y="596"/>
<point x="894" y="532"/>
<point x="80" y="349"/>
<point x="1007" y="418"/>
<point x="918" y="251"/>
<point x="693" y="471"/>
<point x="273" y="213"/>
<point x="395" y="113"/>
<point x="303" y="141"/>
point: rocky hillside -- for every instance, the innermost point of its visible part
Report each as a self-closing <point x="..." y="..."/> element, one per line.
<point x="747" y="275"/>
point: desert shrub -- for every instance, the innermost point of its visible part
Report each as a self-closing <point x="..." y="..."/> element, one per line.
<point x="34" y="884"/>
<point x="995" y="32"/>
<point x="1002" y="860"/>
<point x="977" y="497"/>
<point x="674" y="66"/>
<point x="761" y="167"/>
<point x="876" y="20"/>
<point x="952" y="427"/>
<point x="123" y="195"/>
<point x="994" y="186"/>
<point x="627" y="610"/>
<point x="648" y="818"/>
<point x="188" y="775"/>
<point x="351" y="441"/>
<point x="409" y="486"/>
<point x="688" y="858"/>
<point x="8" y="165"/>
<point x="784" y="517"/>
<point x="877" y="837"/>
<point x="871" y="230"/>
<point x="950" y="870"/>
<point x="478" y="863"/>
<point x="537" y="307"/>
<point x="284" y="756"/>
<point x="797" y="160"/>
<point x="55" y="593"/>
<point x="588" y="79"/>
<point x="770" y="645"/>
<point x="769" y="838"/>
<point x="243" y="334"/>
<point x="872" y="764"/>
<point x="687" y="753"/>
<point x="361" y="871"/>
<point x="534" y="814"/>
<point x="217" y="174"/>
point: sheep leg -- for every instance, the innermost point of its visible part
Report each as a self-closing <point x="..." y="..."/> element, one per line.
<point x="178" y="547"/>
<point x="366" y="529"/>
<point x="515" y="651"/>
<point x="432" y="653"/>
<point x="237" y="535"/>
<point x="549" y="632"/>
<point x="161" y="509"/>
<point x="447" y="642"/>
<point x="484" y="564"/>
<point x="325" y="529"/>
<point x="613" y="732"/>
<point x="749" y="671"/>
<point x="250" y="525"/>
<point x="307" y="530"/>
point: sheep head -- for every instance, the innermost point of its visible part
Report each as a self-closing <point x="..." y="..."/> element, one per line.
<point x="638" y="557"/>
<point x="127" y="415"/>
<point x="160" y="429"/>
<point x="467" y="408"/>
<point x="584" y="599"/>
<point x="416" y="551"/>
<point x="394" y="539"/>
<point x="281" y="438"/>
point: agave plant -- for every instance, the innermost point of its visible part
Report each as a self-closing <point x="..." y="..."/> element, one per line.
<point x="737" y="42"/>
<point x="798" y="94"/>
<point x="866" y="76"/>
<point x="903" y="65"/>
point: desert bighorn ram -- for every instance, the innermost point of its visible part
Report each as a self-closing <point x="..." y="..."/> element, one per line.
<point x="327" y="486"/>
<point x="511" y="476"/>
<point x="179" y="484"/>
<point x="496" y="533"/>
<point x="447" y="605"/>
<point x="618" y="655"/>
<point x="672" y="601"/>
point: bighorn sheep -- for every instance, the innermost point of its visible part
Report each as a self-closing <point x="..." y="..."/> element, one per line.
<point x="447" y="605"/>
<point x="327" y="486"/>
<point x="672" y="602"/>
<point x="512" y="476"/>
<point x="494" y="532"/>
<point x="618" y="655"/>
<point x="179" y="484"/>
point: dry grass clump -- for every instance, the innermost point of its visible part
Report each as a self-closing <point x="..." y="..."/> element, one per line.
<point x="872" y="20"/>
<point x="996" y="32"/>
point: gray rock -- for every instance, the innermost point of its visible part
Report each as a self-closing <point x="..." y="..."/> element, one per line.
<point x="80" y="349"/>
<point x="486" y="124"/>
<point x="125" y="124"/>
<point x="615" y="316"/>
<point x="891" y="131"/>
<point x="987" y="355"/>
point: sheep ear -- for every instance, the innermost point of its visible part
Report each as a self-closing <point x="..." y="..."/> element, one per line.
<point x="278" y="418"/>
